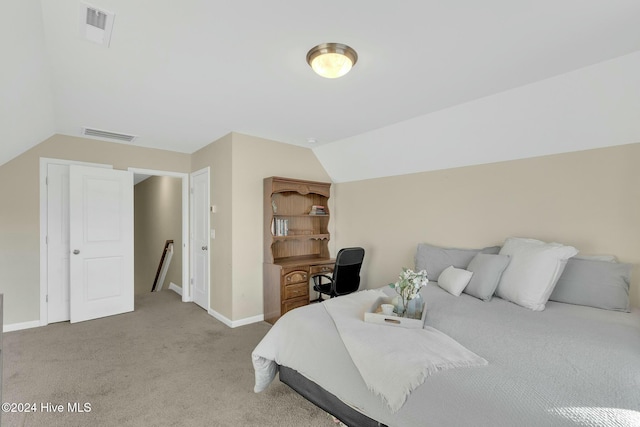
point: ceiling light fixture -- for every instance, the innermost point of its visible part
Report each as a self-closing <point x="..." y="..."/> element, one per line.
<point x="332" y="60"/>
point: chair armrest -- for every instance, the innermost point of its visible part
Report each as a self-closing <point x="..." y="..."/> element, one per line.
<point x="317" y="278"/>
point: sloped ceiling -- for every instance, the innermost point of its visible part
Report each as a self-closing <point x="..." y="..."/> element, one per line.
<point x="180" y="75"/>
<point x="26" y="102"/>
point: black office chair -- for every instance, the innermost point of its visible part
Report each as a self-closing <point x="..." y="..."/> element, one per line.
<point x="346" y="274"/>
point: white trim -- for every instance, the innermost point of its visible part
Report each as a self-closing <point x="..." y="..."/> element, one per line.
<point x="186" y="244"/>
<point x="19" y="326"/>
<point x="44" y="164"/>
<point x="220" y="317"/>
<point x="175" y="288"/>
<point x="235" y="323"/>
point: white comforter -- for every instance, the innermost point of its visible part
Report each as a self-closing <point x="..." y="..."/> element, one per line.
<point x="567" y="365"/>
<point x="392" y="361"/>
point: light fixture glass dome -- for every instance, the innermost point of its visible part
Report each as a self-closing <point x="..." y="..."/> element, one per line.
<point x="332" y="60"/>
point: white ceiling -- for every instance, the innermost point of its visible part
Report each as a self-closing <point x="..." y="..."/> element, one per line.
<point x="181" y="74"/>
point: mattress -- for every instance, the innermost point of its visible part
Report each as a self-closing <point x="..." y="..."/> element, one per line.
<point x="567" y="365"/>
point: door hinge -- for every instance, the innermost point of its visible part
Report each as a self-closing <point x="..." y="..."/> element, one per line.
<point x="46" y="298"/>
<point x="46" y="240"/>
<point x="191" y="281"/>
<point x="46" y="180"/>
<point x="191" y="190"/>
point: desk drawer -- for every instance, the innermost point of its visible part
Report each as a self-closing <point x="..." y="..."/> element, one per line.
<point x="321" y="269"/>
<point x="291" y="304"/>
<point x="296" y="291"/>
<point x="295" y="276"/>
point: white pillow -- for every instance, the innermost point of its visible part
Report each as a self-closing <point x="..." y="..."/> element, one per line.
<point x="454" y="280"/>
<point x="533" y="272"/>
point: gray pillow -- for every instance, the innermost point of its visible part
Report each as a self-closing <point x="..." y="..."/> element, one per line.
<point x="487" y="270"/>
<point x="435" y="259"/>
<point x="600" y="284"/>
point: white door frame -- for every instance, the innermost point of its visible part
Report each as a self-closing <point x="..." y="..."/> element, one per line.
<point x="44" y="284"/>
<point x="186" y="246"/>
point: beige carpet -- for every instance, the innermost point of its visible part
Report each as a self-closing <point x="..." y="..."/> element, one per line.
<point x="167" y="363"/>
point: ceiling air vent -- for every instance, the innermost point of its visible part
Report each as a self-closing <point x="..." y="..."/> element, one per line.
<point x="97" y="133"/>
<point x="96" y="24"/>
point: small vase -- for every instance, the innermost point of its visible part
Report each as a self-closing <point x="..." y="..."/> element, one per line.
<point x="399" y="306"/>
<point x="416" y="306"/>
<point x="411" y="308"/>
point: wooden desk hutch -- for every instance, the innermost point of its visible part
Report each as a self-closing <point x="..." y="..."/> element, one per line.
<point x="296" y="238"/>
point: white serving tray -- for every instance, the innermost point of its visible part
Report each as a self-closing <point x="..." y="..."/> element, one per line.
<point x="375" y="315"/>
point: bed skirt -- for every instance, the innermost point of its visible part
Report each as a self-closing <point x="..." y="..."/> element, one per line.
<point x="325" y="400"/>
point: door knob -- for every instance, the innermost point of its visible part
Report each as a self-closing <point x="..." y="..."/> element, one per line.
<point x="204" y="248"/>
<point x="76" y="251"/>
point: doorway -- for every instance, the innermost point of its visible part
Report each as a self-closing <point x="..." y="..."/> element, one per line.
<point x="48" y="263"/>
<point x="183" y="202"/>
<point x="157" y="220"/>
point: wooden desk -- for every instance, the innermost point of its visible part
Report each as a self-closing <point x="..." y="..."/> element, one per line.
<point x="286" y="283"/>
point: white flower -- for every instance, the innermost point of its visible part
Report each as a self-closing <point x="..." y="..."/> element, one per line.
<point x="409" y="284"/>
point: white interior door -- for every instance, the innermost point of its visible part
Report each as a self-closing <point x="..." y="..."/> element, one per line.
<point x="200" y="237"/>
<point x="101" y="242"/>
<point x="58" y="248"/>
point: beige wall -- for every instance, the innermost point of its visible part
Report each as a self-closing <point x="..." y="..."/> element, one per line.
<point x="217" y="156"/>
<point x="253" y="160"/>
<point x="20" y="210"/>
<point x="157" y="218"/>
<point x="588" y="199"/>
<point x="239" y="163"/>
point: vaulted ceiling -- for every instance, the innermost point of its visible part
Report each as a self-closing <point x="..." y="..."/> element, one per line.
<point x="181" y="74"/>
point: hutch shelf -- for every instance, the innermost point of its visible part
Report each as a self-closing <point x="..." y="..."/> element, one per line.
<point x="296" y="242"/>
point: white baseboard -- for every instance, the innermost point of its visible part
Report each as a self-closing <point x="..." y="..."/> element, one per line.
<point x="235" y="323"/>
<point x="172" y="286"/>
<point x="175" y="288"/>
<point x="248" y="320"/>
<point x="19" y="326"/>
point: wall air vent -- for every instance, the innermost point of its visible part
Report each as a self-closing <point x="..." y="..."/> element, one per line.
<point x="96" y="24"/>
<point x="97" y="133"/>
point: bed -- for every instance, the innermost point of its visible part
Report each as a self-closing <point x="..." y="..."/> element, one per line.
<point x="567" y="364"/>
